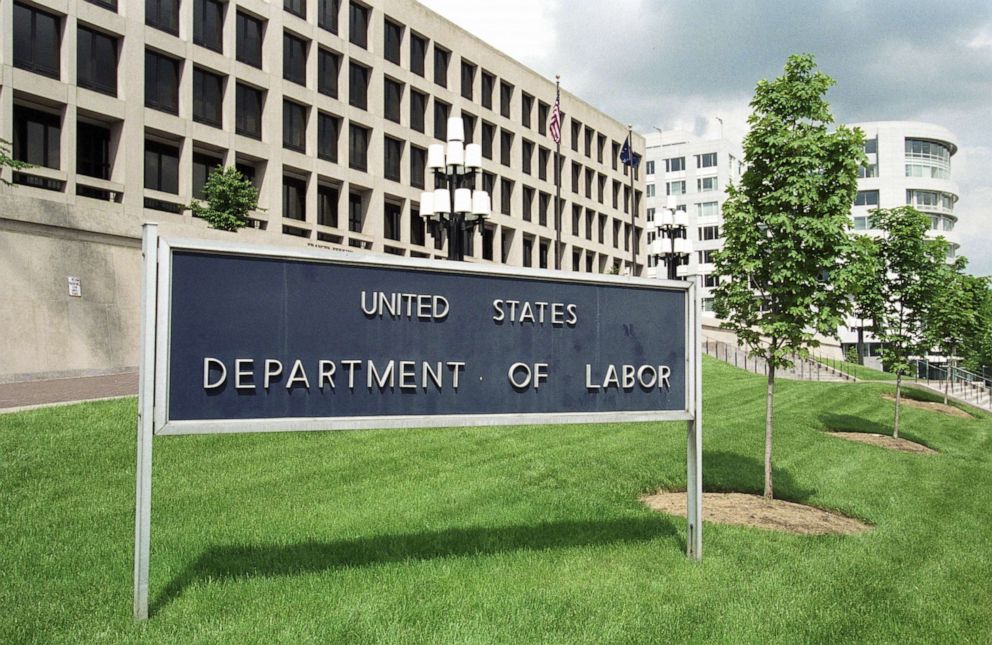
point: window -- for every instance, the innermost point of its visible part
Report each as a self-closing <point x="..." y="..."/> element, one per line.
<point x="542" y="254"/>
<point x="161" y="82"/>
<point x="418" y="166"/>
<point x="96" y="61"/>
<point x="37" y="137"/>
<point x="505" y="146"/>
<point x="589" y="177"/>
<point x="92" y="150"/>
<point x="576" y="177"/>
<point x="418" y="235"/>
<point x="707" y="209"/>
<point x="441" y="112"/>
<point x="391" y="221"/>
<point x="393" y="34"/>
<point x="616" y="154"/>
<point x="505" y="98"/>
<point x="528" y="204"/>
<point x="860" y="223"/>
<point x="203" y="165"/>
<point x="528" y="251"/>
<point x="294" y="198"/>
<point x="601" y="188"/>
<point x="505" y="195"/>
<point x="590" y="135"/>
<point x="543" y="154"/>
<point x="601" y="233"/>
<point x="871" y="146"/>
<point x="576" y="134"/>
<point x="418" y="54"/>
<point x="296" y="7"/>
<point x="711" y="280"/>
<point x="208" y="97"/>
<point x="707" y="160"/>
<point x="468" y="79"/>
<point x="294" y="126"/>
<point x="616" y="234"/>
<point x="488" y="85"/>
<point x="294" y="59"/>
<point x="706" y="184"/>
<point x="468" y="125"/>
<point x="248" y="111"/>
<point x="358" y="146"/>
<point x="707" y="257"/>
<point x="393" y="150"/>
<point x="356" y="212"/>
<point x="418" y="108"/>
<point x="709" y="233"/>
<point x="208" y="24"/>
<point x="675" y="164"/>
<point x="650" y="190"/>
<point x="249" y="40"/>
<point x="675" y="187"/>
<point x="526" y="108"/>
<point x="358" y="24"/>
<point x="392" y="97"/>
<point x="328" y="67"/>
<point x="543" y="112"/>
<point x="649" y="167"/>
<point x="600" y="145"/>
<point x="327" y="205"/>
<point x="161" y="167"/>
<point x="163" y="14"/>
<point x="441" y="59"/>
<point x="488" y="136"/>
<point x="358" y="85"/>
<point x="488" y="235"/>
<point x="866" y="198"/>
<point x="527" y="155"/>
<point x="576" y="220"/>
<point x="328" y="132"/>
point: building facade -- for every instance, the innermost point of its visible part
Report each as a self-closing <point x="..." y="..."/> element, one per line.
<point x="123" y="107"/>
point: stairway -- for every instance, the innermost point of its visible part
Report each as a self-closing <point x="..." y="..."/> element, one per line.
<point x="802" y="370"/>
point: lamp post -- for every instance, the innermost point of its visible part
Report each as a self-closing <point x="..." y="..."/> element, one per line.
<point x="672" y="245"/>
<point x="456" y="203"/>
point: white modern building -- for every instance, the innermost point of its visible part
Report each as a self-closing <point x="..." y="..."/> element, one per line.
<point x="686" y="178"/>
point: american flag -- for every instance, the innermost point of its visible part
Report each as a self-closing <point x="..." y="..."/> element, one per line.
<point x="554" y="124"/>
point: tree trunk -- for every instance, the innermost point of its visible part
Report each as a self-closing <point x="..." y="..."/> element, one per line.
<point x="895" y="430"/>
<point x="769" y="407"/>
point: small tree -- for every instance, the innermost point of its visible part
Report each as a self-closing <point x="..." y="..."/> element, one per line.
<point x="860" y="276"/>
<point x="7" y="161"/>
<point x="954" y="314"/>
<point x="230" y="196"/>
<point x="786" y="225"/>
<point x="978" y="358"/>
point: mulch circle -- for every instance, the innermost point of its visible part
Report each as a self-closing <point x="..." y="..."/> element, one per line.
<point x="886" y="441"/>
<point x="933" y="406"/>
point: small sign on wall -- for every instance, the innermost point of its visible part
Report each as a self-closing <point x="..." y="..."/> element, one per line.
<point x="74" y="289"/>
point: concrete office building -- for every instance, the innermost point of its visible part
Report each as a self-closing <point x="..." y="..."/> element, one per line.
<point x="123" y="108"/>
<point x="689" y="174"/>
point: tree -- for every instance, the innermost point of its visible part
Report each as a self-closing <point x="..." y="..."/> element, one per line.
<point x="6" y="161"/>
<point x="230" y="196"/>
<point x="978" y="358"/>
<point x="909" y="267"/>
<point x="954" y="314"/>
<point x="786" y="225"/>
<point x="860" y="274"/>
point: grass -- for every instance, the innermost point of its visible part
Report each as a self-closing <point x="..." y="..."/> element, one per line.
<point x="858" y="371"/>
<point x="516" y="534"/>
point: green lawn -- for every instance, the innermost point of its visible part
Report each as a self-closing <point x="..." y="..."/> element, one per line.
<point x="515" y="534"/>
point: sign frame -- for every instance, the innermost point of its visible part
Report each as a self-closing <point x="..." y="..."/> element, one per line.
<point x="153" y="390"/>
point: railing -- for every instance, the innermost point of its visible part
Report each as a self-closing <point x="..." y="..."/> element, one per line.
<point x="958" y="382"/>
<point x="802" y="369"/>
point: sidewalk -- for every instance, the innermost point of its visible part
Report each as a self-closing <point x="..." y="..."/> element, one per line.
<point x="35" y="393"/>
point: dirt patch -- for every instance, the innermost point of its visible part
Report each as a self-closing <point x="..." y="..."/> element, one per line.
<point x="754" y="510"/>
<point x="885" y="441"/>
<point x="933" y="406"/>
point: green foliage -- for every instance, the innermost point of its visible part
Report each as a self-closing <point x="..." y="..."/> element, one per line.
<point x="230" y="197"/>
<point x="786" y="224"/>
<point x="851" y="355"/>
<point x="954" y="314"/>
<point x="977" y="351"/>
<point x="7" y="161"/>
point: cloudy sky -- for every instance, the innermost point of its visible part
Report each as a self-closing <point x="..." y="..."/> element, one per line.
<point x="681" y="63"/>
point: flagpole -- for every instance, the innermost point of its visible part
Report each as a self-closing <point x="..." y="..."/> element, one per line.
<point x="558" y="184"/>
<point x="633" y="207"/>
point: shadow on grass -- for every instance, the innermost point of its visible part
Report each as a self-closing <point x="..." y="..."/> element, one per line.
<point x="730" y="472"/>
<point x="234" y="561"/>
<point x="850" y="423"/>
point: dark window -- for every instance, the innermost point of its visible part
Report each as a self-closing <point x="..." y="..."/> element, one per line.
<point x="294" y="198"/>
<point x="576" y="220"/>
<point x="543" y="207"/>
<point x="601" y="143"/>
<point x="208" y="97"/>
<point x="576" y="134"/>
<point x="358" y="146"/>
<point x="92" y="150"/>
<point x="248" y="111"/>
<point x="394" y="41"/>
<point x="589" y="181"/>
<point x="37" y="137"/>
<point x="488" y="235"/>
<point x="468" y="79"/>
<point x="393" y="158"/>
<point x="358" y="85"/>
<point x="327" y="14"/>
<point x="37" y="40"/>
<point x="488" y="135"/>
<point x="208" y="24"/>
<point x="355" y="212"/>
<point x="327" y="205"/>
<point x="616" y="155"/>
<point x="527" y="155"/>
<point x="505" y="195"/>
<point x="358" y="24"/>
<point x="203" y="165"/>
<point x="294" y="59"/>
<point x="106" y="4"/>
<point x="418" y="166"/>
<point x="505" y="98"/>
<point x="161" y="82"/>
<point x="417" y="233"/>
<point x="576" y="177"/>
<point x="328" y="132"/>
<point x="488" y="85"/>
<point x="249" y="37"/>
<point x="441" y="59"/>
<point x="866" y="198"/>
<point x="528" y="203"/>
<point x="391" y="221"/>
<point x="328" y="67"/>
<point x="526" y="107"/>
<point x="505" y="146"/>
<point x="590" y="216"/>
<point x="528" y="251"/>
<point x="418" y="54"/>
<point x="489" y="183"/>
<point x="543" y="154"/>
<point x="543" y="112"/>
<point x="248" y="171"/>
<point x="468" y="125"/>
<point x="96" y="61"/>
<point x="163" y="14"/>
<point x="418" y="108"/>
<point x="590" y="134"/>
<point x="392" y="98"/>
<point x="161" y="167"/>
<point x="296" y="7"/>
<point x="441" y="112"/>
<point x="542" y="254"/>
<point x="294" y="126"/>
<point x="601" y="189"/>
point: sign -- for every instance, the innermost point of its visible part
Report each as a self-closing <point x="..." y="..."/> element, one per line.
<point x="75" y="290"/>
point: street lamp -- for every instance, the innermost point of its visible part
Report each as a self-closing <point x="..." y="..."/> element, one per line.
<point x="672" y="245"/>
<point x="454" y="166"/>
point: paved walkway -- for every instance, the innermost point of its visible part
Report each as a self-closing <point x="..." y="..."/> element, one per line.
<point x="34" y="393"/>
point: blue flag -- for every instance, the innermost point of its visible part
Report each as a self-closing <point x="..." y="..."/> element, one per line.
<point x="627" y="156"/>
